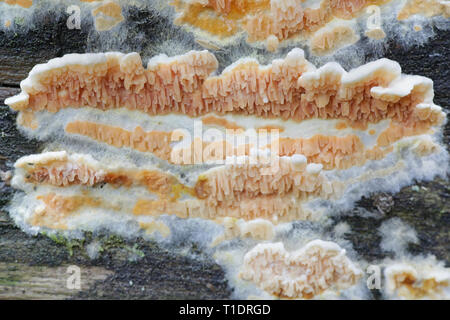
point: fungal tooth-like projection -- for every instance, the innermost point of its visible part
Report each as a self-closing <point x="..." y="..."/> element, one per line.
<point x="331" y="38"/>
<point x="291" y="88"/>
<point x="238" y="156"/>
<point x="427" y="279"/>
<point x="325" y="23"/>
<point x="305" y="273"/>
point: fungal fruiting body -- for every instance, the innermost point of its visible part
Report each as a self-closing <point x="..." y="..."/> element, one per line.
<point x="272" y="137"/>
<point x="289" y="88"/>
<point x="427" y="279"/>
<point x="240" y="154"/>
<point x="323" y="22"/>
<point x="316" y="267"/>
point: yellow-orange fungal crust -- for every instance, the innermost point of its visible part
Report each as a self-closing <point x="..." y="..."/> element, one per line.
<point x="417" y="281"/>
<point x="274" y="20"/>
<point x="289" y="89"/>
<point x="56" y="209"/>
<point x="396" y="132"/>
<point x="238" y="190"/>
<point x="27" y="120"/>
<point x="156" y="142"/>
<point x="221" y="122"/>
<point x="268" y="128"/>
<point x="155" y="226"/>
<point x="107" y="15"/>
<point x="273" y="208"/>
<point x="22" y="3"/>
<point x="305" y="273"/>
<point x="375" y="33"/>
<point x="61" y="170"/>
<point x="428" y="8"/>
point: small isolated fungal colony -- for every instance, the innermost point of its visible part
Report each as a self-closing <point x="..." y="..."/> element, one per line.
<point x="418" y="279"/>
<point x="176" y="150"/>
<point x="312" y="269"/>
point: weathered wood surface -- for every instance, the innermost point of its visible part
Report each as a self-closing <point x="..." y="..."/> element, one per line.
<point x="35" y="266"/>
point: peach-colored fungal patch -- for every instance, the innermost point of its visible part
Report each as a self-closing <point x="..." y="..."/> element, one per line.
<point x="27" y="119"/>
<point x="305" y="273"/>
<point x="289" y="89"/>
<point x="55" y="210"/>
<point x="221" y="122"/>
<point x="22" y="3"/>
<point x="330" y="40"/>
<point x="155" y="226"/>
<point x="341" y="125"/>
<point x="375" y="33"/>
<point x="417" y="281"/>
<point x="395" y="132"/>
<point x="156" y="142"/>
<point x="107" y="15"/>
<point x="428" y="8"/>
